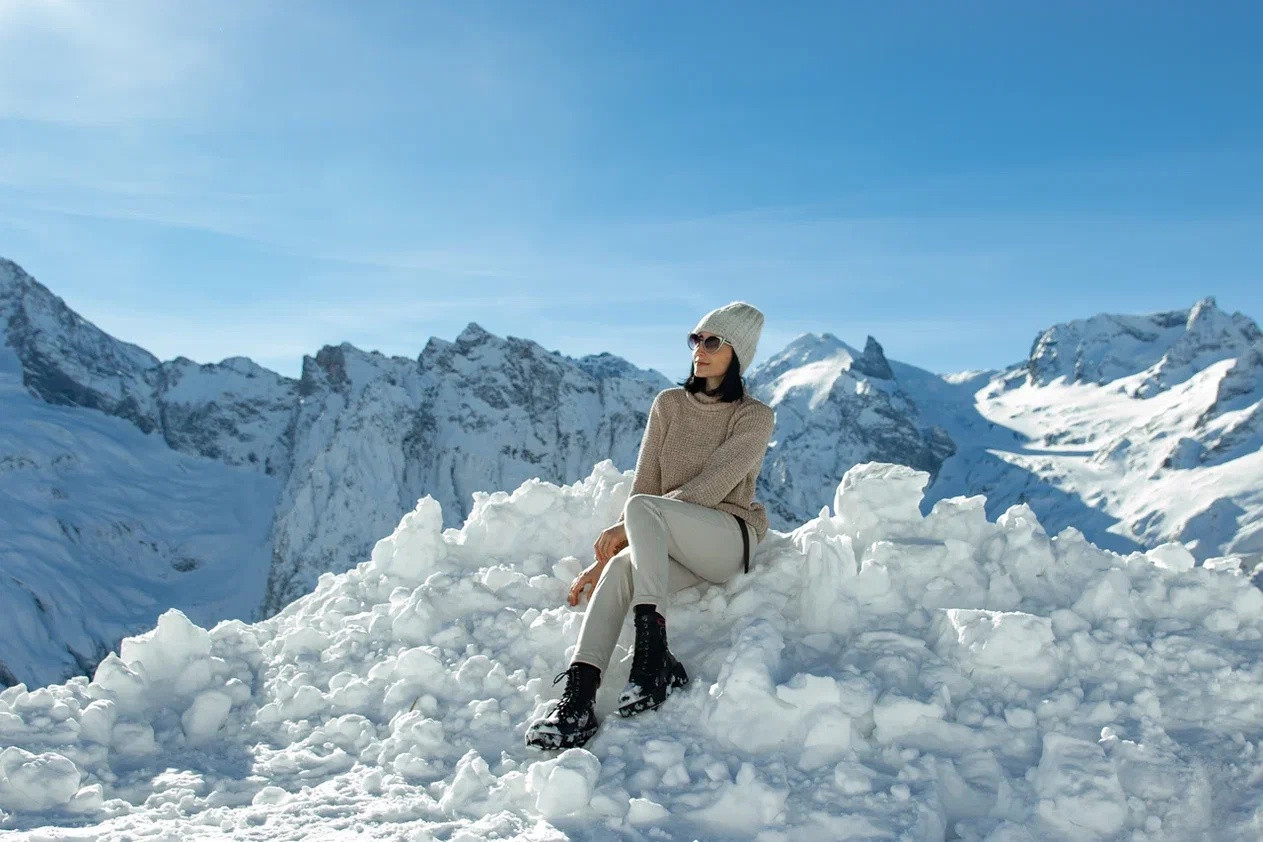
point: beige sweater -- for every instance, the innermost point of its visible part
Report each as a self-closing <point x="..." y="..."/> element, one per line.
<point x="704" y="451"/>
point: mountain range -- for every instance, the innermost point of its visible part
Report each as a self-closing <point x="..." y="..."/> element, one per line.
<point x="132" y="485"/>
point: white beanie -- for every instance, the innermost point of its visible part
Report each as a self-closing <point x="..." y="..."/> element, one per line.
<point x="740" y="323"/>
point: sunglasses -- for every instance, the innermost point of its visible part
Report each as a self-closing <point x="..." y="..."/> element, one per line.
<point x="711" y="344"/>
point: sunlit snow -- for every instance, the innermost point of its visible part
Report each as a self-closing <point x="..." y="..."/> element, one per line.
<point x="877" y="675"/>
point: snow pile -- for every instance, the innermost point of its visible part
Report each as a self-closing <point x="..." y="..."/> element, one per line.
<point x="878" y="674"/>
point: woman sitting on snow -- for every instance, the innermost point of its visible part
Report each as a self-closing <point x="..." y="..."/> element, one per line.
<point x="688" y="519"/>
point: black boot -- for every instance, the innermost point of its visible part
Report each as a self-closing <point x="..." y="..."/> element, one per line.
<point x="655" y="672"/>
<point x="572" y="722"/>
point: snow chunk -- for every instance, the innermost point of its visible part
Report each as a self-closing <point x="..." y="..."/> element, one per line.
<point x="1172" y="556"/>
<point x="166" y="651"/>
<point x="133" y="739"/>
<point x="34" y="782"/>
<point x="1079" y="793"/>
<point x="96" y="722"/>
<point x="1018" y="646"/>
<point x="646" y="811"/>
<point x="896" y="716"/>
<point x="745" y="693"/>
<point x="876" y="499"/>
<point x="415" y="547"/>
<point x="564" y="784"/>
<point x="746" y="803"/>
<point x="206" y="716"/>
<point x="470" y="792"/>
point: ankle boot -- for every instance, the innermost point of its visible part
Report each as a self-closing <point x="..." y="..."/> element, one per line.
<point x="655" y="672"/>
<point x="572" y="721"/>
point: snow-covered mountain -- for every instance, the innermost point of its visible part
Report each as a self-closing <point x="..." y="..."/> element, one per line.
<point x="325" y="463"/>
<point x="835" y="408"/>
<point x="879" y="674"/>
<point x="1135" y="429"/>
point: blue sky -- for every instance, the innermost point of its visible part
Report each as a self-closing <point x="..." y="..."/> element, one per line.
<point x="261" y="179"/>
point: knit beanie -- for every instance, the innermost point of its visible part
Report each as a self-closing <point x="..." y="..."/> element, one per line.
<point x="739" y="323"/>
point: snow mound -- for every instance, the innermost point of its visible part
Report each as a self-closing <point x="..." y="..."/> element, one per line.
<point x="878" y="674"/>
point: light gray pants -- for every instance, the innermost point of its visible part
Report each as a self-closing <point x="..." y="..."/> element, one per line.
<point x="671" y="545"/>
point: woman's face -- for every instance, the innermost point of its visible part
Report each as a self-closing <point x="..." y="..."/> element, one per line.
<point x="711" y="365"/>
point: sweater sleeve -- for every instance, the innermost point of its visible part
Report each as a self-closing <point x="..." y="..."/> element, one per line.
<point x="741" y="453"/>
<point x="648" y="479"/>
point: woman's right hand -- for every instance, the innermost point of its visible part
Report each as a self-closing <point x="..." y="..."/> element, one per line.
<point x="609" y="542"/>
<point x="587" y="579"/>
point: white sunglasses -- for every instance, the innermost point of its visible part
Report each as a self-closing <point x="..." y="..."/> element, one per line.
<point x="710" y="343"/>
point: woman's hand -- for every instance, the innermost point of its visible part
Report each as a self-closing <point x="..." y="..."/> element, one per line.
<point x="610" y="542"/>
<point x="587" y="579"/>
<point x="607" y="544"/>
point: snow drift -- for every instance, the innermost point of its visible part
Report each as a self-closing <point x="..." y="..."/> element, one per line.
<point x="878" y="674"/>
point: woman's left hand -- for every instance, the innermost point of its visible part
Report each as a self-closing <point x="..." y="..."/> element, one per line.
<point x="585" y="581"/>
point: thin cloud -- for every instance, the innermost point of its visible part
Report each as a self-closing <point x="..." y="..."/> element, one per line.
<point x="108" y="64"/>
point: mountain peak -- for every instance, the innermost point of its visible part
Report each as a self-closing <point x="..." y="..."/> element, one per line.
<point x="11" y="275"/>
<point x="873" y="361"/>
<point x="805" y="349"/>
<point x="474" y="332"/>
<point x="1171" y="345"/>
<point x="1206" y="317"/>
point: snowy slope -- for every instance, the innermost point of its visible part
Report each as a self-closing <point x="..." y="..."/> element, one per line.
<point x="835" y="407"/>
<point x="105" y="527"/>
<point x="1135" y="429"/>
<point x="878" y="675"/>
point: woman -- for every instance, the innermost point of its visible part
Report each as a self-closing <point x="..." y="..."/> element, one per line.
<point x="688" y="519"/>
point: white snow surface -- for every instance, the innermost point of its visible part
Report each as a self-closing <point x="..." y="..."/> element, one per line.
<point x="879" y="674"/>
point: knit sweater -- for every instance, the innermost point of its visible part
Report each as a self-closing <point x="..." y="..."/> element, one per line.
<point x="702" y="450"/>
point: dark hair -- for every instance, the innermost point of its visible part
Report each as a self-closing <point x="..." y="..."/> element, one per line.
<point x="730" y="390"/>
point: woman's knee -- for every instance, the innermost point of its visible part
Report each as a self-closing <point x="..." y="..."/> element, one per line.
<point x="618" y="567"/>
<point x="639" y="506"/>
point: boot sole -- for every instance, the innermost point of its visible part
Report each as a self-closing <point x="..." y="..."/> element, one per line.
<point x="552" y="741"/>
<point x="679" y="678"/>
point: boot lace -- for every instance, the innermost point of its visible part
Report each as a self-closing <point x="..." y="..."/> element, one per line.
<point x="568" y="704"/>
<point x="644" y="657"/>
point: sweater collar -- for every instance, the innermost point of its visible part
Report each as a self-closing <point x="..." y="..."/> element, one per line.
<point x="703" y="401"/>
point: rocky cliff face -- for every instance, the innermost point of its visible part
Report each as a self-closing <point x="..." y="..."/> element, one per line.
<point x="235" y="412"/>
<point x="359" y="437"/>
<point x="102" y="524"/>
<point x="69" y="361"/>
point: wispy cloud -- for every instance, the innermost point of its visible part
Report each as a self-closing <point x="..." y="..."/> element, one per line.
<point x="109" y="64"/>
